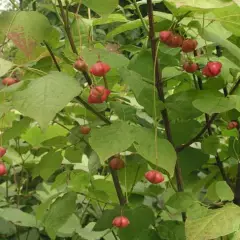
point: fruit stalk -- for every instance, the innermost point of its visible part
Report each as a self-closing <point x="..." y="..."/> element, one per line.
<point x="159" y="86"/>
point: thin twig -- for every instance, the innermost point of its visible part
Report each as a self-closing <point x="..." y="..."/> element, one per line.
<point x="159" y="86"/>
<point x="52" y="56"/>
<point x="93" y="110"/>
<point x="67" y="27"/>
<point x="140" y="16"/>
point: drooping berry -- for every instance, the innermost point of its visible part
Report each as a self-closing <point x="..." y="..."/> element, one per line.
<point x="85" y="130"/>
<point x="100" y="69"/>
<point x="3" y="169"/>
<point x="120" y="222"/>
<point x="98" y="94"/>
<point x="80" y="65"/>
<point x="165" y="36"/>
<point x="189" y="45"/>
<point x="175" y="41"/>
<point x="117" y="163"/>
<point x="212" y="69"/>
<point x="232" y="125"/>
<point x="2" y="151"/>
<point x="154" y="176"/>
<point x="190" y="67"/>
<point x="8" y="81"/>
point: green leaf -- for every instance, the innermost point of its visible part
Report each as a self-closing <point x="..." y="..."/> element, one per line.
<point x="18" y="217"/>
<point x="35" y="136"/>
<point x="148" y="234"/>
<point x="48" y="94"/>
<point x="101" y="7"/>
<point x="105" y="221"/>
<point x="138" y="223"/>
<point x="69" y="227"/>
<point x="231" y="18"/>
<point x="49" y="164"/>
<point x="213" y="104"/>
<point x="60" y="180"/>
<point x="113" y="59"/>
<point x="142" y="64"/>
<point x="17" y="129"/>
<point x="142" y="91"/>
<point x="110" y="140"/>
<point x="107" y="187"/>
<point x="205" y="4"/>
<point x="191" y="159"/>
<point x="123" y="111"/>
<point x="59" y="212"/>
<point x="223" y="191"/>
<point x="181" y="201"/>
<point x="134" y="171"/>
<point x="124" y="27"/>
<point x="211" y="225"/>
<point x="74" y="154"/>
<point x="191" y="128"/>
<point x="5" y="66"/>
<point x="145" y="146"/>
<point x="180" y="105"/>
<point x="25" y="23"/>
<point x="211" y="193"/>
<point x="79" y="181"/>
<point x="210" y="145"/>
<point x="87" y="233"/>
<point x="7" y="228"/>
<point x="171" y="230"/>
<point x="112" y="18"/>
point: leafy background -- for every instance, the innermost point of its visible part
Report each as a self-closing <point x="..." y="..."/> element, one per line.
<point x="58" y="184"/>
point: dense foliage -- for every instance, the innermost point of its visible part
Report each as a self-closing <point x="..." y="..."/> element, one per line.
<point x="120" y="120"/>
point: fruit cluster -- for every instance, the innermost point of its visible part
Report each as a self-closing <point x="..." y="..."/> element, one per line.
<point x="212" y="69"/>
<point x="98" y="94"/>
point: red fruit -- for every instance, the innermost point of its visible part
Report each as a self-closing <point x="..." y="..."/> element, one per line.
<point x="85" y="130"/>
<point x="206" y="72"/>
<point x="80" y="65"/>
<point x="190" y="67"/>
<point x="120" y="222"/>
<point x="100" y="69"/>
<point x="176" y="41"/>
<point x="3" y="169"/>
<point x="212" y="69"/>
<point x="98" y="94"/>
<point x="189" y="45"/>
<point x="117" y="163"/>
<point x="2" y="151"/>
<point x="9" y="81"/>
<point x="154" y="177"/>
<point x="165" y="36"/>
<point x="232" y="125"/>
